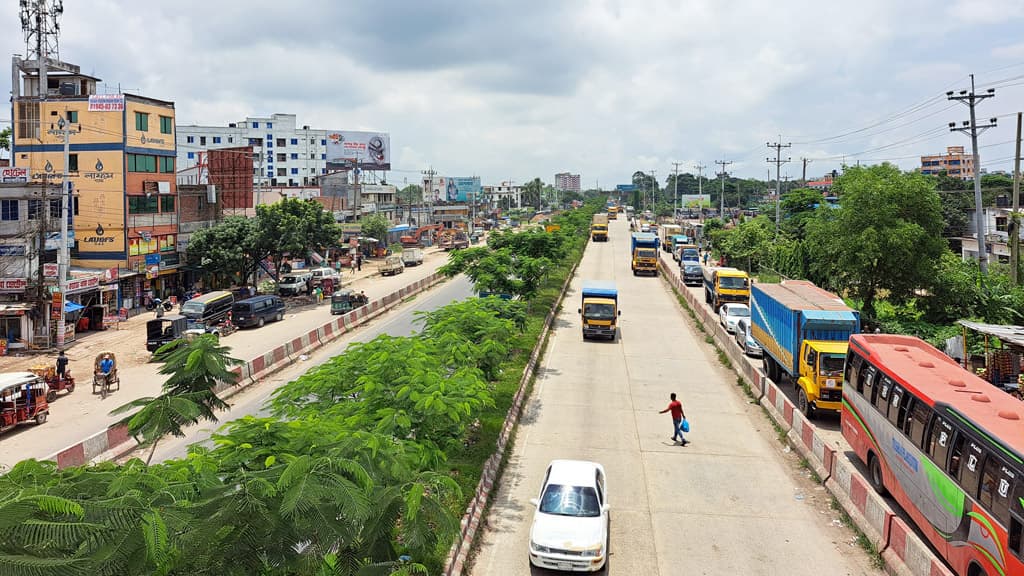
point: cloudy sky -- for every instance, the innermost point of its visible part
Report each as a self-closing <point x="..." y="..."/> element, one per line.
<point x="514" y="90"/>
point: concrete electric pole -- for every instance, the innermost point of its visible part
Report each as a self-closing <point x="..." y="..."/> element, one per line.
<point x="675" y="203"/>
<point x="723" y="164"/>
<point x="778" y="186"/>
<point x="65" y="131"/>
<point x="700" y="191"/>
<point x="972" y="129"/>
<point x="1015" y="216"/>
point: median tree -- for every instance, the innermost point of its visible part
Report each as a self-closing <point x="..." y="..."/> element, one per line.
<point x="225" y="251"/>
<point x="294" y="227"/>
<point x="886" y="235"/>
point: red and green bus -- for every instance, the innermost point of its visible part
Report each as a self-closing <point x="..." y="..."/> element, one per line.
<point x="946" y="444"/>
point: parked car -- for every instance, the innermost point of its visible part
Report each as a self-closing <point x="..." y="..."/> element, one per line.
<point x="412" y="256"/>
<point x="729" y="314"/>
<point x="570" y="523"/>
<point x="320" y="273"/>
<point x="745" y="339"/>
<point x="257" y="311"/>
<point x="294" y="284"/>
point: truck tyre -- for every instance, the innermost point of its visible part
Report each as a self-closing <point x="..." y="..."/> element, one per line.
<point x="804" y="405"/>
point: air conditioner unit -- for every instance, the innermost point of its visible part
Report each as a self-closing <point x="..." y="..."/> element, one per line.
<point x="163" y="187"/>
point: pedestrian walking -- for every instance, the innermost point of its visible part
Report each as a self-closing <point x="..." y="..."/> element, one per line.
<point x="62" y="365"/>
<point x="678" y="416"/>
<point x="706" y="256"/>
<point x="353" y="263"/>
<point x="359" y="261"/>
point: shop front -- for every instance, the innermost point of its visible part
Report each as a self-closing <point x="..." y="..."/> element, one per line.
<point x="16" y="315"/>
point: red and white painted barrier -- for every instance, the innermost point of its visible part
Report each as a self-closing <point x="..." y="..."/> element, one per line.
<point x="867" y="509"/>
<point x="905" y="550"/>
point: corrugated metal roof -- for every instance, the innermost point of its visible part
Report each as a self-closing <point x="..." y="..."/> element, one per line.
<point x="1009" y="334"/>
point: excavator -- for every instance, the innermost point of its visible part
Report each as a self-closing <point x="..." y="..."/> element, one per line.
<point x="413" y="240"/>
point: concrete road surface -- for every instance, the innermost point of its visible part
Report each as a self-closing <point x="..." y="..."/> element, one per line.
<point x="398" y="322"/>
<point x="80" y="414"/>
<point x="730" y="503"/>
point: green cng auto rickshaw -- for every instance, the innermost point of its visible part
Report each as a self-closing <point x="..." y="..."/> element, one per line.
<point x="345" y="300"/>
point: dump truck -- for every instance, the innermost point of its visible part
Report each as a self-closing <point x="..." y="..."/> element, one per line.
<point x="804" y="332"/>
<point x="599" y="228"/>
<point x="599" y="309"/>
<point x="644" y="253"/>
<point x="725" y="285"/>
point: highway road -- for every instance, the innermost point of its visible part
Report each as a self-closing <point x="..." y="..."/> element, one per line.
<point x="398" y="322"/>
<point x="80" y="414"/>
<point x="731" y="502"/>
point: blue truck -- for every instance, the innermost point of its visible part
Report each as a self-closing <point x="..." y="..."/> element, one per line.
<point x="599" y="309"/>
<point x="804" y="332"/>
<point x="644" y="253"/>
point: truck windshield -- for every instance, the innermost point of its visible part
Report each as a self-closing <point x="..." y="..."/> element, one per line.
<point x="732" y="282"/>
<point x="832" y="364"/>
<point x="599" y="311"/>
<point x="646" y="253"/>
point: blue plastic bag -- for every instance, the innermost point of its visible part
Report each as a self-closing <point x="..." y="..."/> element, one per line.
<point x="686" y="425"/>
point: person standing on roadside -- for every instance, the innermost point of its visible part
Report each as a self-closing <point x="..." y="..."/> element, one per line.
<point x="676" y="408"/>
<point x="62" y="365"/>
<point x="359" y="261"/>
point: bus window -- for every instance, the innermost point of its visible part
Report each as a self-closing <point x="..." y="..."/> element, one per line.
<point x="970" y="477"/>
<point x="895" y="401"/>
<point x="902" y="403"/>
<point x="939" y="441"/>
<point x="852" y="370"/>
<point x="882" y="399"/>
<point x="1016" y="525"/>
<point x="956" y="457"/>
<point x="866" y="384"/>
<point x="996" y="481"/>
<point x="920" y="415"/>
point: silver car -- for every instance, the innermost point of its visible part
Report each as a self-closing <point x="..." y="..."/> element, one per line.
<point x="745" y="339"/>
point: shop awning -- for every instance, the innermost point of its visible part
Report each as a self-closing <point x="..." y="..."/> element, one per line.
<point x="1013" y="335"/>
<point x="70" y="306"/>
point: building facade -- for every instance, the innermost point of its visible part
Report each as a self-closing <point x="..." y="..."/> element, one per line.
<point x="566" y="182"/>
<point x="504" y="196"/>
<point x="954" y="162"/>
<point x="284" y="155"/>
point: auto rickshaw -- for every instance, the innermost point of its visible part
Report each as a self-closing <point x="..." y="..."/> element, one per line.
<point x="22" y="398"/>
<point x="104" y="381"/>
<point x="345" y="300"/>
<point x="54" y="383"/>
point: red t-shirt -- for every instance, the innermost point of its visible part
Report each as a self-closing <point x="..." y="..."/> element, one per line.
<point x="676" y="408"/>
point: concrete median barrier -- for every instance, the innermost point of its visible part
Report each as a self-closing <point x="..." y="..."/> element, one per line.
<point x="801" y="436"/>
<point x="867" y="509"/>
<point x="909" y="554"/>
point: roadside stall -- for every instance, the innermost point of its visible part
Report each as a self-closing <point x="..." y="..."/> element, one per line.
<point x="1000" y="363"/>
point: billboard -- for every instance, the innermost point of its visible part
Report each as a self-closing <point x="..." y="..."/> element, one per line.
<point x="625" y="188"/>
<point x="451" y="189"/>
<point x="372" y="150"/>
<point x="13" y="175"/>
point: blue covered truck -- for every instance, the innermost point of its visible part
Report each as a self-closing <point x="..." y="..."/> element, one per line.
<point x="644" y="253"/>
<point x="804" y="332"/>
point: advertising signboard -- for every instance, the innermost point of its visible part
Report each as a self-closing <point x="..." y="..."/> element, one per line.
<point x="464" y="188"/>
<point x="625" y="188"/>
<point x="372" y="150"/>
<point x="13" y="175"/>
<point x="106" y="103"/>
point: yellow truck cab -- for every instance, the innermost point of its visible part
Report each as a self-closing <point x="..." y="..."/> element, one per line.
<point x="821" y="373"/>
<point x="599" y="228"/>
<point x="599" y="309"/>
<point x="644" y="253"/>
<point x="725" y="285"/>
<point x="613" y="212"/>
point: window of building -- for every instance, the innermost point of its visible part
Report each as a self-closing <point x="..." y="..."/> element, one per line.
<point x="141" y="163"/>
<point x="255" y="142"/>
<point x="295" y="156"/>
<point x="312" y="140"/>
<point x="270" y="143"/>
<point x="9" y="210"/>
<point x="202" y="140"/>
<point x="72" y="162"/>
<point x="166" y="125"/>
<point x="1001" y="224"/>
<point x="295" y="170"/>
<point x="255" y="124"/>
<point x="282" y="171"/>
<point x="72" y="116"/>
<point x="323" y="156"/>
<point x="295" y="141"/>
<point x="282" y="157"/>
<point x="142" y="121"/>
<point x="254" y="171"/>
<point x="190" y="139"/>
<point x="55" y="209"/>
<point x="142" y="204"/>
<point x="323" y="142"/>
<point x="280" y="143"/>
<point x="35" y="208"/>
<point x="166" y="203"/>
<point x="167" y="164"/>
<point x="191" y="155"/>
<point x="323" y="170"/>
<point x="231" y="139"/>
<point x="312" y="156"/>
<point x="216" y="139"/>
<point x="270" y="125"/>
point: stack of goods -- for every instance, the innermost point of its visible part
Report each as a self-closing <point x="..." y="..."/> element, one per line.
<point x="1003" y="366"/>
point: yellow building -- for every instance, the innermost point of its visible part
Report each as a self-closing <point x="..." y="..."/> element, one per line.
<point x="954" y="162"/>
<point x="122" y="169"/>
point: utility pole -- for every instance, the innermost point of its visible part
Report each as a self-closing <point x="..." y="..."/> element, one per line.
<point x="778" y="190"/>
<point x="63" y="261"/>
<point x="428" y="194"/>
<point x="1015" y="216"/>
<point x="973" y="129"/>
<point x="723" y="164"/>
<point x="700" y="192"/>
<point x="675" y="203"/>
<point x="804" y="178"/>
<point x="650" y="201"/>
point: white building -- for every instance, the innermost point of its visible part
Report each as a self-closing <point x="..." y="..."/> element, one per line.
<point x="504" y="196"/>
<point x="997" y="236"/>
<point x="284" y="155"/>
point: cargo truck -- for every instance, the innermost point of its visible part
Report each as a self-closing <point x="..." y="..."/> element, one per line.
<point x="599" y="228"/>
<point x="722" y="285"/>
<point x="599" y="309"/>
<point x="644" y="253"/>
<point x="804" y="331"/>
<point x="666" y="232"/>
<point x="613" y="212"/>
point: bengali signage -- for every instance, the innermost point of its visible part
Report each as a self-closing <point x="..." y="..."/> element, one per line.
<point x="56" y="305"/>
<point x="106" y="103"/>
<point x="82" y="284"/>
<point x="50" y="270"/>
<point x="99" y="172"/>
<point x="13" y="284"/>
<point x="18" y="250"/>
<point x="13" y="175"/>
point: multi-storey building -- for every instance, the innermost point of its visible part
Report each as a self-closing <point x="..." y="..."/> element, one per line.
<point x="954" y="162"/>
<point x="504" y="196"/>
<point x="283" y="155"/>
<point x="566" y="182"/>
<point x="121" y="167"/>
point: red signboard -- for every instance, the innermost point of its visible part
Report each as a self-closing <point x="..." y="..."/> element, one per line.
<point x="13" y="284"/>
<point x="50" y="270"/>
<point x="56" y="305"/>
<point x="82" y="284"/>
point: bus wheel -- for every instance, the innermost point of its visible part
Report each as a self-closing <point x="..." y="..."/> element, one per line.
<point x="875" y="475"/>
<point x="805" y="407"/>
<point x="976" y="570"/>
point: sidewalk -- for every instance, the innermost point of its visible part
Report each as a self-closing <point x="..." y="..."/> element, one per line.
<point x="129" y="336"/>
